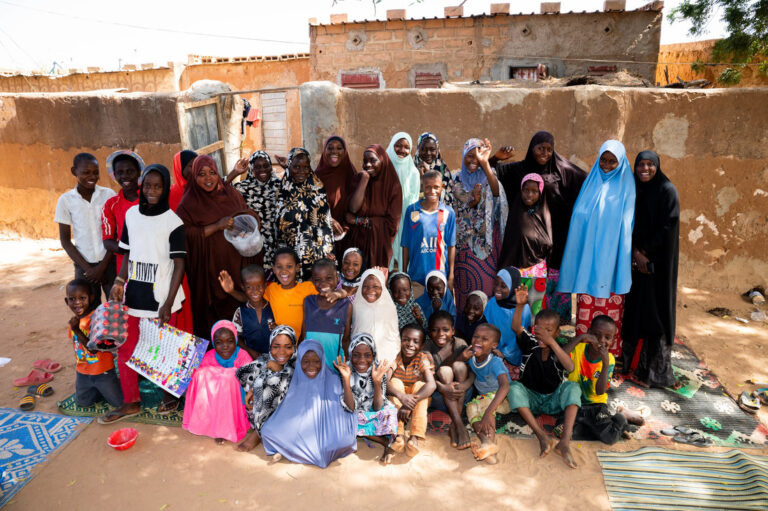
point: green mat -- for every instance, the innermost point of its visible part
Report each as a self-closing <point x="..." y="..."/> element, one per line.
<point x="656" y="478"/>
<point x="151" y="397"/>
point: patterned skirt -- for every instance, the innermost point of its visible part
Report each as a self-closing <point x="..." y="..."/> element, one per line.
<point x="473" y="274"/>
<point x="381" y="423"/>
<point x="589" y="307"/>
<point x="560" y="302"/>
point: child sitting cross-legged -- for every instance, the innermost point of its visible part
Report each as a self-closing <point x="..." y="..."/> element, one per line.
<point x="411" y="386"/>
<point x="365" y="388"/>
<point x="593" y="367"/>
<point x="448" y="355"/>
<point x="491" y="379"/>
<point x="543" y="387"/>
<point x="214" y="404"/>
<point x="95" y="378"/>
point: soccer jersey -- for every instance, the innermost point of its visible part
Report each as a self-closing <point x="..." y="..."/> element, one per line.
<point x="586" y="373"/>
<point x="428" y="235"/>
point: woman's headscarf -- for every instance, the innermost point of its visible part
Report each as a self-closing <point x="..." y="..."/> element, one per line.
<point x="147" y="209"/>
<point x="304" y="217"/>
<point x="131" y="154"/>
<point x="180" y="160"/>
<point x="410" y="182"/>
<point x="382" y="205"/>
<point x="528" y="239"/>
<point x="262" y="198"/>
<point x="598" y="253"/>
<point x="405" y="312"/>
<point x="437" y="164"/>
<point x="562" y="182"/>
<point x="425" y="301"/>
<point x="337" y="180"/>
<point x="511" y="277"/>
<point x="378" y="319"/>
<point x="501" y="312"/>
<point x="483" y="297"/>
<point x="356" y="281"/>
<point x="470" y="179"/>
<point x="311" y="426"/>
<point x="362" y="383"/>
<point x="268" y="387"/>
<point x="227" y="325"/>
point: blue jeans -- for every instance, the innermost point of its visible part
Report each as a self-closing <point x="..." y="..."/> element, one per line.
<point x="92" y="388"/>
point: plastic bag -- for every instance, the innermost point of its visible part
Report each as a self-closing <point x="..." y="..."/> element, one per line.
<point x="245" y="236"/>
<point x="109" y="327"/>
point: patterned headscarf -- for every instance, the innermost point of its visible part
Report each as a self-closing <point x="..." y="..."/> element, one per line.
<point x="437" y="164"/>
<point x="252" y="161"/>
<point x="356" y="281"/>
<point x="405" y="314"/>
<point x="470" y="179"/>
<point x="362" y="383"/>
<point x="294" y="153"/>
<point x="268" y="387"/>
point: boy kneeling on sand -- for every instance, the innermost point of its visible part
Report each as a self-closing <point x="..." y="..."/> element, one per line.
<point x="543" y="387"/>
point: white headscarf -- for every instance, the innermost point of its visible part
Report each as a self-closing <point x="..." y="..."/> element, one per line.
<point x="410" y="182"/>
<point x="379" y="319"/>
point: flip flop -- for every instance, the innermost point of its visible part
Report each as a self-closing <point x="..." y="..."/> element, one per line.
<point x="749" y="401"/>
<point x="27" y="403"/>
<point x="47" y="365"/>
<point x="43" y="389"/>
<point x="695" y="438"/>
<point x="104" y="419"/>
<point x="35" y="377"/>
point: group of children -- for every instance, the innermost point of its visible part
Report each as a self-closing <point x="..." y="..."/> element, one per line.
<point x="306" y="367"/>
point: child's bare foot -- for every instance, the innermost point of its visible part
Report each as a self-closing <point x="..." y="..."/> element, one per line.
<point x="412" y="447"/>
<point x="462" y="439"/>
<point x="545" y="445"/>
<point x="275" y="458"/>
<point x="399" y="444"/>
<point x="564" y="450"/>
<point x="485" y="450"/>
<point x="250" y="441"/>
<point x="452" y="432"/>
<point x="220" y="441"/>
<point x="632" y="416"/>
<point x="492" y="459"/>
<point x="387" y="456"/>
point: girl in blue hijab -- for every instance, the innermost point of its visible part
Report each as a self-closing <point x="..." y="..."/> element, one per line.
<point x="310" y="426"/>
<point x="501" y="308"/>
<point x="436" y="291"/>
<point x="598" y="254"/>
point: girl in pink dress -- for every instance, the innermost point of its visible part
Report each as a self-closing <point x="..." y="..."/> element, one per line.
<point x="214" y="397"/>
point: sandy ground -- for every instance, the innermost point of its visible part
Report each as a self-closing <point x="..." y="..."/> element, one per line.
<point x="169" y="468"/>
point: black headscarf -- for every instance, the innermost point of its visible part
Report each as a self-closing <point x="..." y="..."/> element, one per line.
<point x="651" y="303"/>
<point x="510" y="302"/>
<point x="145" y="208"/>
<point x="186" y="157"/>
<point x="562" y="183"/>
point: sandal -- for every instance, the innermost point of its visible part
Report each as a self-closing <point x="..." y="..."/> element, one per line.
<point x="114" y="416"/>
<point x="27" y="403"/>
<point x="168" y="407"/>
<point x="35" y="377"/>
<point x="695" y="438"/>
<point x="47" y="365"/>
<point x="749" y="402"/>
<point x="43" y="389"/>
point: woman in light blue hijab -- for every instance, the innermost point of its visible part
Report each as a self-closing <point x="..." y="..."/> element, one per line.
<point x="598" y="254"/>
<point x="410" y="182"/>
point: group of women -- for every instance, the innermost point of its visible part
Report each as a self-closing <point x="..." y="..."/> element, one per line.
<point x="610" y="236"/>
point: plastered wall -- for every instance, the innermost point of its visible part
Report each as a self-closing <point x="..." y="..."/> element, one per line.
<point x="676" y="59"/>
<point x="713" y="148"/>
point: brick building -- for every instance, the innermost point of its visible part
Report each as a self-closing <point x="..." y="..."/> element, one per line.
<point x="404" y="52"/>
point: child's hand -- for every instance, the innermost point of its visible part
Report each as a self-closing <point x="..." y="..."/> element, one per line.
<point x="116" y="294"/>
<point x="74" y="323"/>
<point x="378" y="372"/>
<point x="409" y="401"/>
<point x="342" y="368"/>
<point x="547" y="340"/>
<point x="521" y="294"/>
<point x="225" y="279"/>
<point x="498" y="353"/>
<point x="164" y="313"/>
<point x="423" y="167"/>
<point x="274" y="366"/>
<point x="403" y="414"/>
<point x="333" y="296"/>
<point x="416" y="311"/>
<point x="249" y="400"/>
<point x="383" y="270"/>
<point x="604" y="354"/>
<point x="484" y="152"/>
<point x="477" y="195"/>
<point x="466" y="354"/>
<point x="589" y="339"/>
<point x="437" y="303"/>
<point x="455" y="391"/>
<point x="281" y="160"/>
<point x="487" y="425"/>
<point x="505" y="152"/>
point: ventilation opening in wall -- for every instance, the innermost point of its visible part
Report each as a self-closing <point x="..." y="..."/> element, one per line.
<point x="360" y="80"/>
<point x="428" y="80"/>
<point x="523" y="73"/>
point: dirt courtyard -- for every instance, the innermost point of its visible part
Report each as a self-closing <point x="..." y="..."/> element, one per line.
<point x="169" y="468"/>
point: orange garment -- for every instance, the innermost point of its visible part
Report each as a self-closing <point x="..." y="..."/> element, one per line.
<point x="414" y="372"/>
<point x="87" y="362"/>
<point x="419" y="414"/>
<point x="288" y="304"/>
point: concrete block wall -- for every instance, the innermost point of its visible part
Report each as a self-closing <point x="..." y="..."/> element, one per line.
<point x="484" y="47"/>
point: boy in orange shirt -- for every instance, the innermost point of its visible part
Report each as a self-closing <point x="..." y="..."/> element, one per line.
<point x="96" y="377"/>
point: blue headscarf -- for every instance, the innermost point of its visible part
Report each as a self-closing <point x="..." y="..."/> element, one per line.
<point x="467" y="178"/>
<point x="500" y="313"/>
<point x="225" y="362"/>
<point x="410" y="182"/>
<point x="598" y="253"/>
<point x="310" y="426"/>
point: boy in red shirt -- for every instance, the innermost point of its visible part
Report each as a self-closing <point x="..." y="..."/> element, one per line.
<point x="125" y="167"/>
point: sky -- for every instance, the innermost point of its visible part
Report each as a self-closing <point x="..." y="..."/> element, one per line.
<point x="35" y="34"/>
